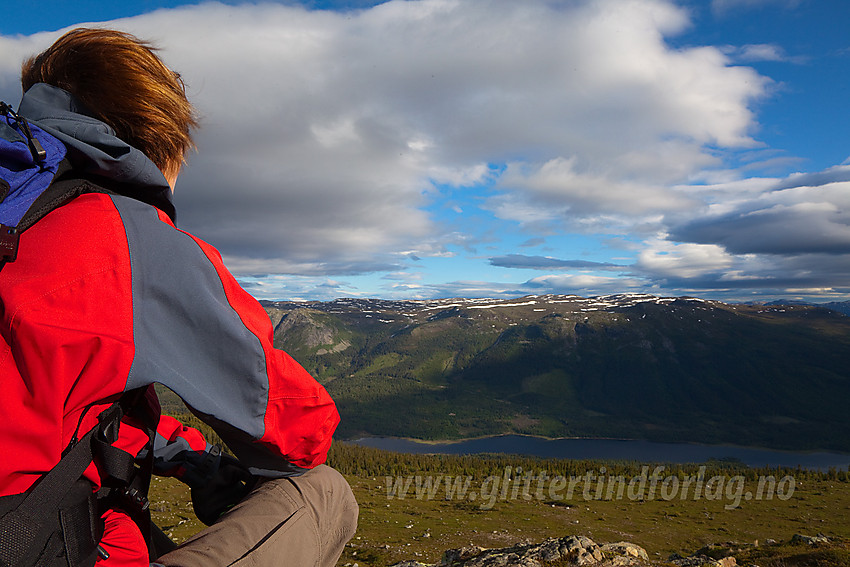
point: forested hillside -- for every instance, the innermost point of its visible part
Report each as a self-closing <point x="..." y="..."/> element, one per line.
<point x="627" y="366"/>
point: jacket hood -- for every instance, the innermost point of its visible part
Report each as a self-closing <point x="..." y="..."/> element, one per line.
<point x="93" y="147"/>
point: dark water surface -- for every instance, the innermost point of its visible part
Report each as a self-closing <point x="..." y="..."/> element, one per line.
<point x="611" y="449"/>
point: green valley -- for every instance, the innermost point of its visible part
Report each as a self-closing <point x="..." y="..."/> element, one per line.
<point x="625" y="366"/>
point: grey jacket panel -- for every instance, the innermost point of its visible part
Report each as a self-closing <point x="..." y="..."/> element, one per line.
<point x="189" y="337"/>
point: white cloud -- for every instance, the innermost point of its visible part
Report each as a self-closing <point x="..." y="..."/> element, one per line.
<point x="276" y="286"/>
<point x="753" y="53"/>
<point x="665" y="259"/>
<point x="761" y="52"/>
<point x="723" y="7"/>
<point x="584" y="284"/>
<point x="556" y="189"/>
<point x="324" y="133"/>
<point x="13" y="51"/>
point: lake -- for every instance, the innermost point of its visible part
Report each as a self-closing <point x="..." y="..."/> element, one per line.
<point x="613" y="449"/>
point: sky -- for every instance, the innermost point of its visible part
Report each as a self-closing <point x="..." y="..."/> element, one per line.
<point x="496" y="148"/>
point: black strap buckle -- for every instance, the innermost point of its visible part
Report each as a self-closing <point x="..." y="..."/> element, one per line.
<point x="37" y="151"/>
<point x="9" y="239"/>
<point x="137" y="499"/>
<point x="109" y="422"/>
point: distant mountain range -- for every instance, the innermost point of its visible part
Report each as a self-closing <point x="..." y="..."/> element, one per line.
<point x="840" y="306"/>
<point x="622" y="366"/>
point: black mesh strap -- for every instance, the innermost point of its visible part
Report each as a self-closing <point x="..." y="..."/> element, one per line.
<point x="136" y="494"/>
<point x="58" y="519"/>
<point x="29" y="530"/>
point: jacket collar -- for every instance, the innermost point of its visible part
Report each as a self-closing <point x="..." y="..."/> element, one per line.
<point x="93" y="147"/>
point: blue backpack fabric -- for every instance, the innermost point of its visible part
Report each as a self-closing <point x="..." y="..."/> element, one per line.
<point x="30" y="160"/>
<point x="25" y="173"/>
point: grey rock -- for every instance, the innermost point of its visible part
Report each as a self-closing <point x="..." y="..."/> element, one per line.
<point x="570" y="550"/>
<point x="457" y="556"/>
<point x="695" y="561"/>
<point x="625" y="549"/>
<point x="809" y="540"/>
<point x="705" y="561"/>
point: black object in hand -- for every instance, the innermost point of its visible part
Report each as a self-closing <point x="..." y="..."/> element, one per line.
<point x="230" y="484"/>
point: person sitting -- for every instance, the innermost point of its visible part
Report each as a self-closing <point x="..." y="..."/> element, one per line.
<point x="101" y="297"/>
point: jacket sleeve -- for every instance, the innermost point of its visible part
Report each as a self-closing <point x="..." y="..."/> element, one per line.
<point x="196" y="331"/>
<point x="182" y="452"/>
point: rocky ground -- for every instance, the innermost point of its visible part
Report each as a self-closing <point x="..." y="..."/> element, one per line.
<point x="569" y="550"/>
<point x="582" y="551"/>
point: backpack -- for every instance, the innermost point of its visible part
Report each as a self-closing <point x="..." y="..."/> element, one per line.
<point x="26" y="171"/>
<point x="57" y="523"/>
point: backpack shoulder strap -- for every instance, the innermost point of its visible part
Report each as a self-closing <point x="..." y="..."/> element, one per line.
<point x="60" y="511"/>
<point x="31" y="161"/>
<point x="25" y="528"/>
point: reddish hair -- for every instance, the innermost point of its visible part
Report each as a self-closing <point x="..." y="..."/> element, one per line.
<point x="120" y="80"/>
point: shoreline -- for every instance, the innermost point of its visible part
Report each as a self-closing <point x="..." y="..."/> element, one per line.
<point x="608" y="449"/>
<point x="623" y="439"/>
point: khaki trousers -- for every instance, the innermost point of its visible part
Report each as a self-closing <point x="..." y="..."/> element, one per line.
<point x="297" y="521"/>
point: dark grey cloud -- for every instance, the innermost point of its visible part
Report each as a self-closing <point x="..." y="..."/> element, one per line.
<point x="812" y="274"/>
<point x="255" y="267"/>
<point x="547" y="263"/>
<point x="835" y="174"/>
<point x="776" y="231"/>
<point x="803" y="214"/>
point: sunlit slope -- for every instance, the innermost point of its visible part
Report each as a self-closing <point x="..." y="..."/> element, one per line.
<point x="629" y="366"/>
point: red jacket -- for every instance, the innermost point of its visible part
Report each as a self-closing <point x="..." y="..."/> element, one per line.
<point x="106" y="295"/>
